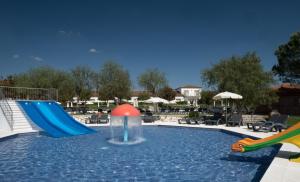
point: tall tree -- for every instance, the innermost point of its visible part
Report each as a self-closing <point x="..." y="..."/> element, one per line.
<point x="152" y="80"/>
<point x="95" y="82"/>
<point x="288" y="56"/>
<point x="114" y="81"/>
<point x="206" y="97"/>
<point x="167" y="93"/>
<point x="47" y="77"/>
<point x="144" y="95"/>
<point x="243" y="75"/>
<point x="83" y="80"/>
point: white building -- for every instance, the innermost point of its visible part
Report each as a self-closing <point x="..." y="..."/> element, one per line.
<point x="190" y="93"/>
<point x="178" y="98"/>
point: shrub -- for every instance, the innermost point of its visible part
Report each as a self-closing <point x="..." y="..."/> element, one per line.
<point x="193" y="114"/>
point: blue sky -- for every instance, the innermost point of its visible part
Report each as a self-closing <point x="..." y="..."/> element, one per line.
<point x="180" y="37"/>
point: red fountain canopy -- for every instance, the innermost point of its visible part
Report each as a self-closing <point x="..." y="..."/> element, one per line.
<point x="125" y="110"/>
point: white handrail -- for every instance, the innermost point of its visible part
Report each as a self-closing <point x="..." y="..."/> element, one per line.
<point x="6" y="110"/>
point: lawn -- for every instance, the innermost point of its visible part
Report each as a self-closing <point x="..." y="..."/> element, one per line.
<point x="293" y="120"/>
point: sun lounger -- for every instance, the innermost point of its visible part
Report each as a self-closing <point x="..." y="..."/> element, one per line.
<point x="181" y="121"/>
<point x="276" y="123"/>
<point x="236" y="119"/>
<point x="199" y="120"/>
<point x="103" y="118"/>
<point x="271" y="119"/>
<point x="214" y="120"/>
<point x="149" y="119"/>
<point x="191" y="121"/>
<point x="93" y="119"/>
<point x="184" y="120"/>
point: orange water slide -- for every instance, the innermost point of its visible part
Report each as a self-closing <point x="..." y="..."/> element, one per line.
<point x="291" y="135"/>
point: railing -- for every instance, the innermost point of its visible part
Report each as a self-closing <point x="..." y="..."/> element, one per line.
<point x="24" y="93"/>
<point x="6" y="110"/>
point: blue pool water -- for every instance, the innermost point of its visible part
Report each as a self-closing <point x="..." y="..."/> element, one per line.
<point x="168" y="154"/>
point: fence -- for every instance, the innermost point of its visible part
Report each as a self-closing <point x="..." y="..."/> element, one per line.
<point x="24" y="93"/>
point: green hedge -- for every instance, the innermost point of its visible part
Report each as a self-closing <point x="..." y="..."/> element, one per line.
<point x="193" y="114"/>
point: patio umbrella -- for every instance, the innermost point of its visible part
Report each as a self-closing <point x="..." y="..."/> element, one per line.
<point x="156" y="100"/>
<point x="226" y="96"/>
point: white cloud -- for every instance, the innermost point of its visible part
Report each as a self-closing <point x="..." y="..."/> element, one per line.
<point x="37" y="58"/>
<point x="93" y="50"/>
<point x="69" y="33"/>
<point x="16" y="56"/>
<point x="61" y="32"/>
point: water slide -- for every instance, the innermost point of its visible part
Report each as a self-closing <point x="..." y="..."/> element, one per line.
<point x="53" y="119"/>
<point x="291" y="135"/>
<point x="57" y="109"/>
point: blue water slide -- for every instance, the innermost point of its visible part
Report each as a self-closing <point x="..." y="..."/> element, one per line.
<point x="69" y="120"/>
<point x="41" y="121"/>
<point x="44" y="109"/>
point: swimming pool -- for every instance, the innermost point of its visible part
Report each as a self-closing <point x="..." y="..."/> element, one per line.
<point x="168" y="154"/>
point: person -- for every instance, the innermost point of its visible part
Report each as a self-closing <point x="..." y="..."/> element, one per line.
<point x="100" y="113"/>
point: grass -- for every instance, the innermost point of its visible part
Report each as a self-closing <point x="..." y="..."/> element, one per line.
<point x="293" y="120"/>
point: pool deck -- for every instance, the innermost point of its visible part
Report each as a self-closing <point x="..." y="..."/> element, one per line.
<point x="280" y="170"/>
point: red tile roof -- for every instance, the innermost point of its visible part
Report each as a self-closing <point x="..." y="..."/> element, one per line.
<point x="5" y="83"/>
<point x="287" y="86"/>
<point x="290" y="86"/>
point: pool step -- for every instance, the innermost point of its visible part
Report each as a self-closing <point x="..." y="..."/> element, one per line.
<point x="22" y="123"/>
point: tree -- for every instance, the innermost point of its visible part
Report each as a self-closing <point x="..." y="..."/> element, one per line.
<point x="152" y="80"/>
<point x="144" y="95"/>
<point x="83" y="81"/>
<point x="47" y="77"/>
<point x="114" y="81"/>
<point x="288" y="56"/>
<point x="206" y="97"/>
<point x="167" y="93"/>
<point x="95" y="82"/>
<point x="243" y="75"/>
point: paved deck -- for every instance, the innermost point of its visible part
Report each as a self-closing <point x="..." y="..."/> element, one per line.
<point x="4" y="134"/>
